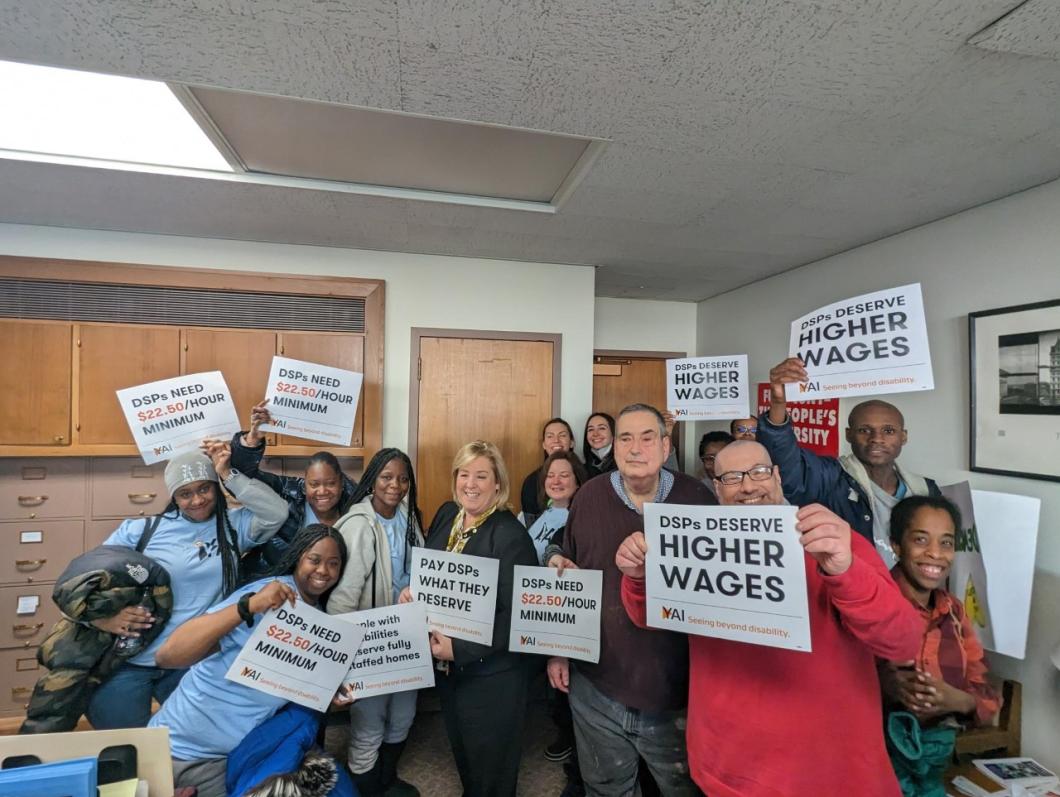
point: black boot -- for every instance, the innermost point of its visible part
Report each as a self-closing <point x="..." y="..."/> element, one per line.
<point x="393" y="786"/>
<point x="370" y="783"/>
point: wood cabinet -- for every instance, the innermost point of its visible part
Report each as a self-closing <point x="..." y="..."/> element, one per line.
<point x="112" y="357"/>
<point x="35" y="383"/>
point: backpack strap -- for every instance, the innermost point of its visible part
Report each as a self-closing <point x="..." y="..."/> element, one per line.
<point x="150" y="524"/>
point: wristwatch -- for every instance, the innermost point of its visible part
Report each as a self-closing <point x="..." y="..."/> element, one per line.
<point x="243" y="607"/>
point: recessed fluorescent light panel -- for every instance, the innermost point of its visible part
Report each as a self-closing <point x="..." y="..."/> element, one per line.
<point x="110" y="122"/>
<point x="62" y="112"/>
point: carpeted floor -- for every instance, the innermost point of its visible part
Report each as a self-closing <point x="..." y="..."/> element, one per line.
<point x="428" y="762"/>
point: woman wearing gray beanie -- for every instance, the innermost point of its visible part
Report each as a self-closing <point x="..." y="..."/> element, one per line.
<point x="198" y="539"/>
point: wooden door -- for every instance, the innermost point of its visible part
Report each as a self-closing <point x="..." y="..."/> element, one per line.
<point x="472" y="388"/>
<point x="116" y="356"/>
<point x="336" y="350"/>
<point x="35" y="383"/>
<point x="630" y="380"/>
<point x="243" y="356"/>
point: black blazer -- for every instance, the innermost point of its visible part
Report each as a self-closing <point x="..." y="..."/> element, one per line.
<point x="504" y="538"/>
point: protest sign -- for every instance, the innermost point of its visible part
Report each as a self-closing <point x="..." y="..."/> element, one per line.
<point x="967" y="578"/>
<point x="313" y="401"/>
<point x="866" y="345"/>
<point x="707" y="388"/>
<point x="815" y="422"/>
<point x="172" y="416"/>
<point x="298" y="653"/>
<point x="395" y="654"/>
<point x="732" y="572"/>
<point x="459" y="592"/>
<point x="556" y="615"/>
<point x="1007" y="527"/>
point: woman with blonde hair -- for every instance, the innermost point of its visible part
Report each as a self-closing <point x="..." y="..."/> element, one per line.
<point x="482" y="687"/>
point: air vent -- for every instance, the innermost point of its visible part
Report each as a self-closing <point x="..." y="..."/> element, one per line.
<point x="133" y="304"/>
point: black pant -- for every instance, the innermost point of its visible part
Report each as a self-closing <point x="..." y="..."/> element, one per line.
<point x="484" y="717"/>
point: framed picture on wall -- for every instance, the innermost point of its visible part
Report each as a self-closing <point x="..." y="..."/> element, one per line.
<point x="1014" y="355"/>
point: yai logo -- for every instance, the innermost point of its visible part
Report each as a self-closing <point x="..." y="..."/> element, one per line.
<point x="527" y="640"/>
<point x="279" y="423"/>
<point x="251" y="673"/>
<point x="165" y="448"/>
<point x="137" y="573"/>
<point x="680" y="413"/>
<point x="807" y="386"/>
<point x="673" y="614"/>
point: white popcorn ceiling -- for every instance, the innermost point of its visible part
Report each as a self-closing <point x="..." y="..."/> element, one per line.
<point x="749" y="136"/>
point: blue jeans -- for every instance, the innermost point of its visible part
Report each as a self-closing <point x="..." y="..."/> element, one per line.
<point x="124" y="699"/>
<point x="612" y="738"/>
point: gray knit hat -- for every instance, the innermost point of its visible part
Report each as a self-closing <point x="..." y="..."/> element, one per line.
<point x="193" y="466"/>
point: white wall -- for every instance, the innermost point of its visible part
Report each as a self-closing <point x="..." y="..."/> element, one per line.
<point x="421" y="291"/>
<point x="1001" y="254"/>
<point x="647" y="325"/>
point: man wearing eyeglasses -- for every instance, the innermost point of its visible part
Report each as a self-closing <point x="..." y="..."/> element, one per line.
<point x="861" y="487"/>
<point x="709" y="446"/>
<point x="771" y="721"/>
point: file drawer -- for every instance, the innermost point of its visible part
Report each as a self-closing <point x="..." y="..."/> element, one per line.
<point x="19" y="671"/>
<point x="38" y="550"/>
<point x="42" y="488"/>
<point x="27" y="614"/>
<point x="126" y="487"/>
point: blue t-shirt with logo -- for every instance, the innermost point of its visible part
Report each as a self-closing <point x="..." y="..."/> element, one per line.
<point x="551" y="520"/>
<point x="208" y="715"/>
<point x="188" y="551"/>
<point x="395" y="529"/>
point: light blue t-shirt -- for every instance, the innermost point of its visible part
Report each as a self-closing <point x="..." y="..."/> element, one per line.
<point x="208" y="715"/>
<point x="310" y="517"/>
<point x="553" y="518"/>
<point x="188" y="552"/>
<point x="395" y="529"/>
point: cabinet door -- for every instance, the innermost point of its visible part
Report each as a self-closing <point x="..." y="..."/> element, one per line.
<point x="338" y="351"/>
<point x="113" y="357"/>
<point x="243" y="356"/>
<point x="35" y="383"/>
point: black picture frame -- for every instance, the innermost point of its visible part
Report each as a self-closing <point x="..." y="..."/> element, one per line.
<point x="1014" y="390"/>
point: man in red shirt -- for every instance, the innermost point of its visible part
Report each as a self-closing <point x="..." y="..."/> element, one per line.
<point x="772" y="722"/>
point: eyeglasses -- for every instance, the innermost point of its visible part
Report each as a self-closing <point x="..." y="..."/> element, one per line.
<point x="747" y="429"/>
<point x="708" y="458"/>
<point x="759" y="473"/>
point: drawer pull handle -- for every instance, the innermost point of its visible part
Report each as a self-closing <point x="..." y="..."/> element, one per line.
<point x="30" y="627"/>
<point x="142" y="498"/>
<point x="32" y="500"/>
<point x="21" y="691"/>
<point x="30" y="564"/>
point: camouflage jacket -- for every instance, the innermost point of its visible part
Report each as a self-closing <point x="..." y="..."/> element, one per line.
<point x="79" y="656"/>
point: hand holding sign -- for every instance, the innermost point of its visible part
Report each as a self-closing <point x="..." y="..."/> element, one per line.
<point x="630" y="556"/>
<point x="220" y="453"/>
<point x="441" y="646"/>
<point x="259" y="414"/>
<point x="273" y="596"/>
<point x="790" y="371"/>
<point x="826" y="537"/>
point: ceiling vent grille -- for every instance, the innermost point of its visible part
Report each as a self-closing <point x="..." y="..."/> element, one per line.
<point x="136" y="304"/>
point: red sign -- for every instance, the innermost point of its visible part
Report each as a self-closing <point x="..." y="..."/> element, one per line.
<point x="816" y="422"/>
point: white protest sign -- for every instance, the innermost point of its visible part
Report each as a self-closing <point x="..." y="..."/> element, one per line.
<point x="395" y="654"/>
<point x="967" y="579"/>
<point x="313" y="401"/>
<point x="297" y="653"/>
<point x="708" y="388"/>
<point x="1008" y="534"/>
<point x="459" y="592"/>
<point x="172" y="416"/>
<point x="866" y="345"/>
<point x="556" y="615"/>
<point x="733" y="572"/>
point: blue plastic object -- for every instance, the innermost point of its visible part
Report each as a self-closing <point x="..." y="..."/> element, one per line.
<point x="73" y="778"/>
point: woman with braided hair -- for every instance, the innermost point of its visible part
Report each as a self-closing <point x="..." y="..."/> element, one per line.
<point x="198" y="539"/>
<point x="381" y="528"/>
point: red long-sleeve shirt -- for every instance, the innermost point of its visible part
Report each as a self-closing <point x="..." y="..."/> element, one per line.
<point x="769" y="722"/>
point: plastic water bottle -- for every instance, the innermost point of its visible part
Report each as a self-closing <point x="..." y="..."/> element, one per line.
<point x="129" y="646"/>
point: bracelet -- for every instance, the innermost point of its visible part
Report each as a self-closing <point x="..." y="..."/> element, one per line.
<point x="243" y="607"/>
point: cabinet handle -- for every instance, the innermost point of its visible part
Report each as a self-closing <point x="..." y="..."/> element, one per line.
<point x="31" y="628"/>
<point x="142" y="498"/>
<point x="32" y="500"/>
<point x="59" y="438"/>
<point x="21" y="691"/>
<point x="30" y="564"/>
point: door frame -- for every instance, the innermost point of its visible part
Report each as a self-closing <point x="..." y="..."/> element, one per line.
<point x="556" y="339"/>
<point x="682" y="444"/>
